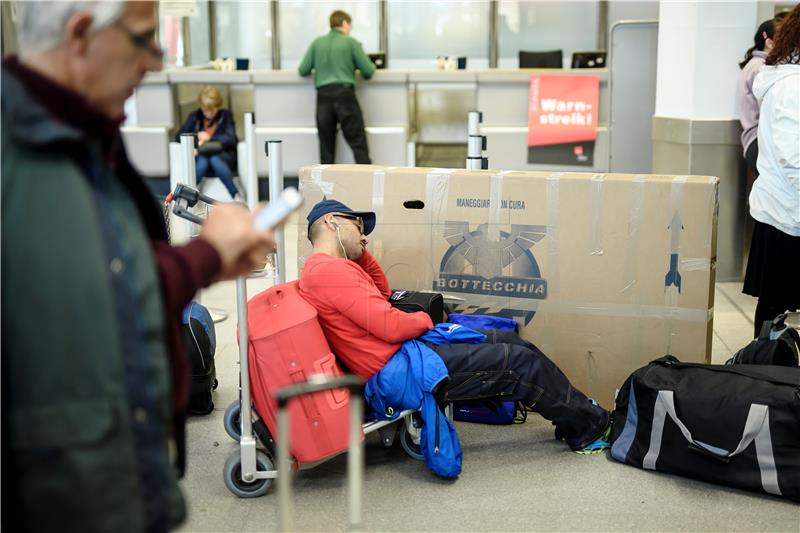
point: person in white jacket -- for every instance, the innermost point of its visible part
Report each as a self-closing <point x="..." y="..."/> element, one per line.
<point x="773" y="267"/>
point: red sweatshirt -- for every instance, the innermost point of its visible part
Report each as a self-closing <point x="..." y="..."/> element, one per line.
<point x="351" y="299"/>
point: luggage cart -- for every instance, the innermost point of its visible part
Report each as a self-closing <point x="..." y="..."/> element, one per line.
<point x="249" y="472"/>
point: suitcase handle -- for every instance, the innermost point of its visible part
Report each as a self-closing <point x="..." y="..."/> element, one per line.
<point x="721" y="458"/>
<point x="757" y="423"/>
<point x="355" y="456"/>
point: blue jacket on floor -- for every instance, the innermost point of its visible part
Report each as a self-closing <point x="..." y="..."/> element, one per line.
<point x="407" y="382"/>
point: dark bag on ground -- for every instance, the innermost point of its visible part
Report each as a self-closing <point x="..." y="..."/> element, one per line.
<point x="777" y="344"/>
<point x="413" y="301"/>
<point x="200" y="340"/>
<point x="490" y="412"/>
<point x="733" y="425"/>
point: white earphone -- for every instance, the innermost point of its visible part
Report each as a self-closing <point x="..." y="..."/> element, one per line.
<point x="338" y="237"/>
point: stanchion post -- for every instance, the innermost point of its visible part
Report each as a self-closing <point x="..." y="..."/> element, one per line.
<point x="273" y="149"/>
<point x="251" y="172"/>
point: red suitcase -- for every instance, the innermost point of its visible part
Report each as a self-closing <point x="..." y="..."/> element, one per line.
<point x="286" y="347"/>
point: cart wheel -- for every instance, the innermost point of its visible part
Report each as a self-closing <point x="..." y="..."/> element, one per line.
<point x="410" y="437"/>
<point x="232" y="421"/>
<point x="232" y="475"/>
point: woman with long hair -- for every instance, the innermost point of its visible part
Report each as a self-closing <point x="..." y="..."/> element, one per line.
<point x="216" y="139"/>
<point x="746" y="102"/>
<point x="773" y="268"/>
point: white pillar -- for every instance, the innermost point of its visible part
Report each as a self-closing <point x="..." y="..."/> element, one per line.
<point x="700" y="43"/>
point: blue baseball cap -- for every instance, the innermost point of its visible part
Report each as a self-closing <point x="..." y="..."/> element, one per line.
<point x="334" y="206"/>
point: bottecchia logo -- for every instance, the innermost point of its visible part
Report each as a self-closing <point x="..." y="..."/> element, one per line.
<point x="503" y="266"/>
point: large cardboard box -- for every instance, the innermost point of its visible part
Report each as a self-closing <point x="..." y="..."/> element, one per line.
<point x="604" y="272"/>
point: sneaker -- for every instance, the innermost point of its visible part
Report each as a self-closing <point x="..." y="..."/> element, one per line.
<point x="598" y="445"/>
<point x="559" y="435"/>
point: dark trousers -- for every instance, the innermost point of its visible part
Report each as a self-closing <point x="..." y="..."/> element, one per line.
<point x="510" y="368"/>
<point x="337" y="104"/>
<point x="751" y="157"/>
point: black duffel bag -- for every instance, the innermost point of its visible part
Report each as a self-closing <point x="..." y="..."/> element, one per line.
<point x="413" y="301"/>
<point x="777" y="344"/>
<point x="732" y="425"/>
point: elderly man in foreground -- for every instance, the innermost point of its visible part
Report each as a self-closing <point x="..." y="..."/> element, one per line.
<point x="95" y="378"/>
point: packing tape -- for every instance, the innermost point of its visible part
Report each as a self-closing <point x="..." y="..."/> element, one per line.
<point x="695" y="263"/>
<point x="597" y="214"/>
<point x="378" y="192"/>
<point x="631" y="266"/>
<point x="437" y="190"/>
<point x="616" y="310"/>
<point x="552" y="232"/>
<point x="495" y="205"/>
<point x="316" y="181"/>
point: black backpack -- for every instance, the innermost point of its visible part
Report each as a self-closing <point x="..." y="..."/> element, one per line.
<point x="413" y="301"/>
<point x="777" y="344"/>
<point x="200" y="340"/>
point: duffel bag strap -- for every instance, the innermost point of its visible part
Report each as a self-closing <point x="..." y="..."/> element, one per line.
<point x="756" y="429"/>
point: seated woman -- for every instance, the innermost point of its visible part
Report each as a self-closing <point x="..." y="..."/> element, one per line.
<point x="216" y="139"/>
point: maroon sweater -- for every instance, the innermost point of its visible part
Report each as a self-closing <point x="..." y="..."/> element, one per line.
<point x="182" y="269"/>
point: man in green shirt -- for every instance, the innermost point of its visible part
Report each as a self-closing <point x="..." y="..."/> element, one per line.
<point x="334" y="58"/>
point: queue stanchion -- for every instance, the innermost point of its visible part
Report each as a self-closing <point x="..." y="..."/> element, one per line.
<point x="273" y="150"/>
<point x="476" y="143"/>
<point x="250" y="174"/>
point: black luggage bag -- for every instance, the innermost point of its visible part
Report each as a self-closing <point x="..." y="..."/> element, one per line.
<point x="777" y="344"/>
<point x="736" y="425"/>
<point x="199" y="337"/>
<point x="413" y="301"/>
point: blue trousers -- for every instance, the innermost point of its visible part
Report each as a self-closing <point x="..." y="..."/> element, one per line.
<point x="215" y="165"/>
<point x="507" y="367"/>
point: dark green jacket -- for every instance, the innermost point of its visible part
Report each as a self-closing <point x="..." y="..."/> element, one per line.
<point x="334" y="58"/>
<point x="69" y="460"/>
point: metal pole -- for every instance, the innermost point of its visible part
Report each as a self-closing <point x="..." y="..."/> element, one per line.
<point x="355" y="462"/>
<point x="493" y="39"/>
<point x="212" y="29"/>
<point x="187" y="159"/>
<point x="189" y="172"/>
<point x="383" y="27"/>
<point x="276" y="38"/>
<point x="474" y="119"/>
<point x="187" y="42"/>
<point x="251" y="173"/>
<point x="284" y="471"/>
<point x="602" y="25"/>
<point x="273" y="149"/>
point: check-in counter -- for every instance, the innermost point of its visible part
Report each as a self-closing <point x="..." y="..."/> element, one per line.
<point x="503" y="96"/>
<point x="441" y="101"/>
<point x="285" y="108"/>
<point x="431" y="106"/>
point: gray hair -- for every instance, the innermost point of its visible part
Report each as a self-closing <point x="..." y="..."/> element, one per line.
<point x="40" y="24"/>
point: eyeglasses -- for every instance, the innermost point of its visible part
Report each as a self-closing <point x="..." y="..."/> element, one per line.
<point x="143" y="41"/>
<point x="359" y="222"/>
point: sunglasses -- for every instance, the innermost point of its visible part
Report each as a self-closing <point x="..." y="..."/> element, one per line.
<point x="359" y="222"/>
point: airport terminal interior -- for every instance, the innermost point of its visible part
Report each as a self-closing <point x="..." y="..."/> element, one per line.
<point x="641" y="207"/>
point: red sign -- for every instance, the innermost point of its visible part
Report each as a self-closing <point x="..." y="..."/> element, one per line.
<point x="562" y="109"/>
